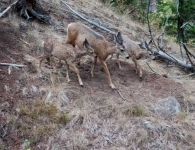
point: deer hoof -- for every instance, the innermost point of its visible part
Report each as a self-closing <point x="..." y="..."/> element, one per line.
<point x="140" y="78"/>
<point x="82" y="85"/>
<point x="113" y="87"/>
<point x="68" y="80"/>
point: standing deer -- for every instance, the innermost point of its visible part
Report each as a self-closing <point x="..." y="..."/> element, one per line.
<point x="134" y="52"/>
<point x="66" y="52"/>
<point x="77" y="32"/>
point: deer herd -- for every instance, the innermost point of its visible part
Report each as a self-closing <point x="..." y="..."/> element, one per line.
<point x="89" y="42"/>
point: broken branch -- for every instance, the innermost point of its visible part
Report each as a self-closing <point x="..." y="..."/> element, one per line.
<point x="121" y="95"/>
<point x="8" y="64"/>
<point x="1" y="14"/>
<point x="76" y="13"/>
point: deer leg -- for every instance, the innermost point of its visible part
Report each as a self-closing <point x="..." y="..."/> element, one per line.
<point x="108" y="73"/>
<point x="140" y="70"/>
<point x="67" y="72"/>
<point x="41" y="60"/>
<point x="118" y="62"/>
<point x="74" y="68"/>
<point x="93" y="66"/>
<point x="111" y="56"/>
<point x="137" y="66"/>
<point x="135" y="61"/>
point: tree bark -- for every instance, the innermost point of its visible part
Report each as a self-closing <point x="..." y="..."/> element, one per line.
<point x="180" y="21"/>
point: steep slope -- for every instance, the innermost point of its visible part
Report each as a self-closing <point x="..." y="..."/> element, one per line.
<point x="53" y="114"/>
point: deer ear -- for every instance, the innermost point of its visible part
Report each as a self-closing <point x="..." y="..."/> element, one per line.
<point x="85" y="43"/>
<point x="118" y="38"/>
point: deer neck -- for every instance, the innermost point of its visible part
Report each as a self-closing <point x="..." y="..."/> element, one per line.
<point x="111" y="49"/>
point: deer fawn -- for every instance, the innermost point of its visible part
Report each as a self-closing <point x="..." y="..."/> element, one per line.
<point x="77" y="32"/>
<point x="134" y="52"/>
<point x="65" y="52"/>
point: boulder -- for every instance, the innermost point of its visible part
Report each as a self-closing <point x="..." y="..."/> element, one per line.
<point x="167" y="107"/>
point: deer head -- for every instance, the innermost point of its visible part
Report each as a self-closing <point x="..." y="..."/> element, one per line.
<point x="119" y="45"/>
<point x="88" y="48"/>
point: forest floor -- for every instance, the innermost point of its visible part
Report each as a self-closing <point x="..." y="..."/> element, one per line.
<point x="53" y="114"/>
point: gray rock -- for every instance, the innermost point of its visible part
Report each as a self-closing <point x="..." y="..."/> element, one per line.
<point x="167" y="107"/>
<point x="24" y="25"/>
<point x="148" y="125"/>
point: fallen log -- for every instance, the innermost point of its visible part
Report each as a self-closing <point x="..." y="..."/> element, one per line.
<point x="172" y="59"/>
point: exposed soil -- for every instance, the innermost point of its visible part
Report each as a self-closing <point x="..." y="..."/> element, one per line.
<point x="15" y="87"/>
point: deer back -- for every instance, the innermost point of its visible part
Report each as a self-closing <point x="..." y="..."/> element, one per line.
<point x="64" y="51"/>
<point x="78" y="32"/>
<point x="131" y="46"/>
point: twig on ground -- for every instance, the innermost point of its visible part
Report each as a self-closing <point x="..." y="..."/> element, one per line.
<point x="24" y="42"/>
<point x="151" y="68"/>
<point x="121" y="95"/>
<point x="1" y="14"/>
<point x="8" y="64"/>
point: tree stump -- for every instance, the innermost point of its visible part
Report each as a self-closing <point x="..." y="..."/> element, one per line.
<point x="32" y="9"/>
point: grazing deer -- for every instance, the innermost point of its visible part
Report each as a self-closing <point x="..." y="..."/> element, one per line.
<point x="134" y="52"/>
<point x="65" y="52"/>
<point x="77" y="32"/>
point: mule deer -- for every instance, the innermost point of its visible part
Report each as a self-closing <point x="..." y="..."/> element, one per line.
<point x="77" y="32"/>
<point x="65" y="52"/>
<point x="135" y="52"/>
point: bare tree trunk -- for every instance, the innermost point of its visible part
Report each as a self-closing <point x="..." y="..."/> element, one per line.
<point x="152" y="6"/>
<point x="180" y="31"/>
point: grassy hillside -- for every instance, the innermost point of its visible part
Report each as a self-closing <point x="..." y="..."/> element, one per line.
<point x="56" y="115"/>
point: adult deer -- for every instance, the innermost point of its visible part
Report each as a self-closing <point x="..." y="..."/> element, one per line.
<point x="77" y="32"/>
<point x="66" y="52"/>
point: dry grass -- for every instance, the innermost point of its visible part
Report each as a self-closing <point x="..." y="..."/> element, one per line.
<point x="134" y="111"/>
<point x="38" y="120"/>
<point x="70" y="117"/>
<point x="103" y="122"/>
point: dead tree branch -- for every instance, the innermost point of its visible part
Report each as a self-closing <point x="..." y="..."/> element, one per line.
<point x="172" y="59"/>
<point x="151" y="69"/>
<point x="161" y="37"/>
<point x="14" y="65"/>
<point x="1" y="14"/>
<point x="189" y="55"/>
<point x="101" y="27"/>
<point x="147" y="16"/>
